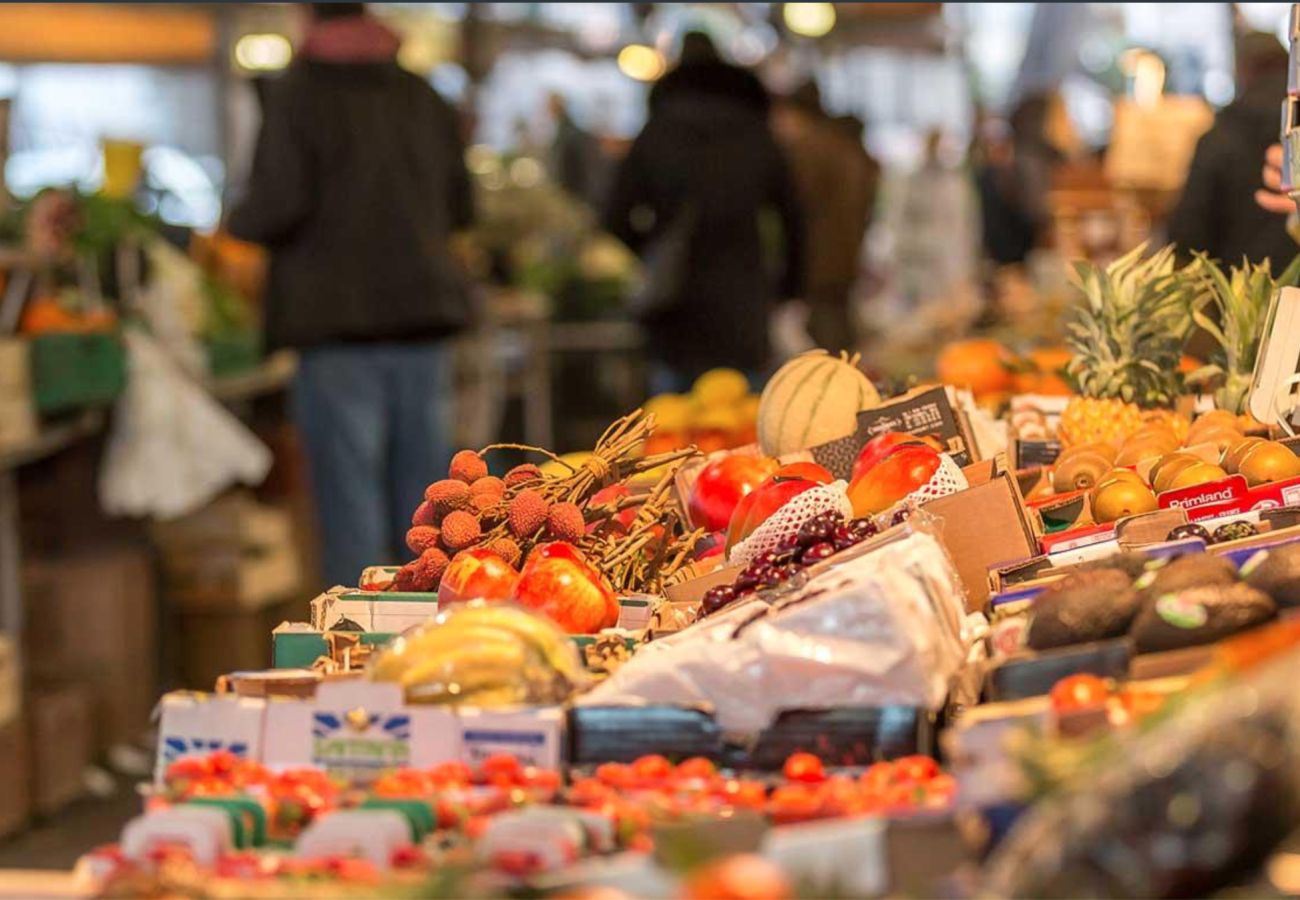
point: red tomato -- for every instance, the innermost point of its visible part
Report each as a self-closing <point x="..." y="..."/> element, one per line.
<point x="1082" y="691"/>
<point x="558" y="582"/>
<point x="794" y="803"/>
<point x="805" y="768"/>
<point x="696" y="767"/>
<point x="915" y="769"/>
<point x="721" y="485"/>
<point x="652" y="768"/>
<point x="900" y="473"/>
<point x="878" y="776"/>
<point x="477" y="573"/>
<point x="745" y="794"/>
<point x="450" y="774"/>
<point x="500" y="767"/>
<point x="615" y="774"/>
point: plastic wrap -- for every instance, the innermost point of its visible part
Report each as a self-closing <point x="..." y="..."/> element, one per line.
<point x="884" y="628"/>
<point x="1182" y="808"/>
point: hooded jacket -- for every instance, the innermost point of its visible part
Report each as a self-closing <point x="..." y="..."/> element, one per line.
<point x="1217" y="213"/>
<point x="358" y="181"/>
<point x="706" y="153"/>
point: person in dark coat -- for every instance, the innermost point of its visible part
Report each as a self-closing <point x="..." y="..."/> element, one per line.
<point x="705" y="199"/>
<point x="358" y="181"/>
<point x="1217" y="213"/>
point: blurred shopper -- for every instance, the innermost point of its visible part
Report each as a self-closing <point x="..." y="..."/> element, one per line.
<point x="1008" y="229"/>
<point x="703" y="197"/>
<point x="837" y="182"/>
<point x="574" y="158"/>
<point x="1216" y="213"/>
<point x="358" y="181"/>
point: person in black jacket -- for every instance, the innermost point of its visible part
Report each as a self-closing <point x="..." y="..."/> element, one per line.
<point x="1217" y="213"/>
<point x="358" y="182"/>
<point x="705" y="199"/>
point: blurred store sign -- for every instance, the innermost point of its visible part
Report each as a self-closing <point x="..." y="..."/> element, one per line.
<point x="1151" y="145"/>
<point x="263" y="52"/>
<point x="82" y="32"/>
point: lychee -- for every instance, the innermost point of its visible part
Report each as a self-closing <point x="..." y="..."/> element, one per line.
<point x="421" y="538"/>
<point x="459" y="530"/>
<point x="564" y="522"/>
<point x="425" y="514"/>
<point x="520" y="474"/>
<point x="526" y="513"/>
<point x="490" y="486"/>
<point x="447" y="495"/>
<point x="506" y="549"/>
<point x="467" y="466"/>
<point x="423" y="574"/>
<point x="481" y="503"/>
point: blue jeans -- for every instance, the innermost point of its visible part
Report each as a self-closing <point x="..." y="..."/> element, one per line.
<point x="376" y="422"/>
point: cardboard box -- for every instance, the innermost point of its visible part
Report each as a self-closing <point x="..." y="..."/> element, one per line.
<point x="983" y="526"/>
<point x="234" y="553"/>
<point x="62" y="744"/>
<point x="357" y="729"/>
<point x="214" y="644"/>
<point x="93" y="616"/>
<point x="390" y="612"/>
<point x="15" y="777"/>
<point x="195" y="724"/>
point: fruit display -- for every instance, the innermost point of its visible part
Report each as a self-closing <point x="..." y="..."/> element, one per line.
<point x="722" y="484"/>
<point x="906" y="469"/>
<point x="812" y="399"/>
<point x="719" y="413"/>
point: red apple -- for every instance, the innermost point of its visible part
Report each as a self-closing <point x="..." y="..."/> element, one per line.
<point x="611" y="496"/>
<point x="882" y="445"/>
<point x="889" y="481"/>
<point x="722" y="484"/>
<point x="476" y="573"/>
<point x="558" y="582"/>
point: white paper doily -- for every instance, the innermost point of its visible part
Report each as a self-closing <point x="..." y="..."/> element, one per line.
<point x="786" y="520"/>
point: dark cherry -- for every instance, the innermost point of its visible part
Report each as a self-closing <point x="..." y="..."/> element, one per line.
<point x="717" y="597"/>
<point x="789" y="545"/>
<point x="900" y="517"/>
<point x="746" y="580"/>
<point x="817" y="552"/>
<point x="845" y="537"/>
<point x="788" y="570"/>
<point x="770" y="558"/>
<point x="815" y="531"/>
<point x="864" y="528"/>
<point x="772" y="577"/>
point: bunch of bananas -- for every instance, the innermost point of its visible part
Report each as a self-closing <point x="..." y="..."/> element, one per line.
<point x="483" y="654"/>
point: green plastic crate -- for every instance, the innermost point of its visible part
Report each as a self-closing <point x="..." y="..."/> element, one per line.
<point x="76" y="371"/>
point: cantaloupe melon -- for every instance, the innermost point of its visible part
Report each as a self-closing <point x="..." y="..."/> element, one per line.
<point x="812" y="399"/>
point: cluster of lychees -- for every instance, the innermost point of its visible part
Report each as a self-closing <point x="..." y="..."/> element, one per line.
<point x="469" y="508"/>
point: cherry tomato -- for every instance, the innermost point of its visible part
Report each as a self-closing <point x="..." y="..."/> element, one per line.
<point x="653" y="768"/>
<point x="615" y="774"/>
<point x="696" y="767"/>
<point x="794" y="803"/>
<point x="1082" y="691"/>
<point x="451" y="774"/>
<point x="804" y="767"/>
<point x="915" y="769"/>
<point x="500" y="768"/>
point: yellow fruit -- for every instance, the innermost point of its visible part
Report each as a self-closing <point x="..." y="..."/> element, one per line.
<point x="672" y="412"/>
<point x="1233" y="455"/>
<point x="812" y="399"/>
<point x="1145" y="444"/>
<point x="1079" y="471"/>
<point x="718" y="418"/>
<point x="1222" y="438"/>
<point x="748" y="409"/>
<point x="1268" y="461"/>
<point x="1197" y="473"/>
<point x="1088" y="420"/>
<point x="1215" y="418"/>
<point x="1121" y="497"/>
<point x="720" y="387"/>
<point x="1164" y="472"/>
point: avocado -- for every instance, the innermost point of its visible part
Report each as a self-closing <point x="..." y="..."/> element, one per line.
<point x="1276" y="572"/>
<point x="1130" y="562"/>
<point x="1085" y="606"/>
<point x="1193" y="570"/>
<point x="1200" y="615"/>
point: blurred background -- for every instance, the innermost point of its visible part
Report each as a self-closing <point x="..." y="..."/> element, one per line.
<point x="916" y="174"/>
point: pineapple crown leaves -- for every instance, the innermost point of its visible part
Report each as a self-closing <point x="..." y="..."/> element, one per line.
<point x="1127" y="333"/>
<point x="1231" y="308"/>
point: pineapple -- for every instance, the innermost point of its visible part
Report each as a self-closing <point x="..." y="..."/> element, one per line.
<point x="1127" y="338"/>
<point x="1232" y="309"/>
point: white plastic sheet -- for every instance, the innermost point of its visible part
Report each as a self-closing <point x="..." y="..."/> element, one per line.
<point x="172" y="448"/>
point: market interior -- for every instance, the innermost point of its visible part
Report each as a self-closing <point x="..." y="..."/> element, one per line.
<point x="666" y="449"/>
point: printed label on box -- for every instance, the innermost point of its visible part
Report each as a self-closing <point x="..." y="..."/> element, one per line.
<point x="1232" y="489"/>
<point x="925" y="413"/>
<point x="1036" y="454"/>
<point x="197" y="724"/>
<point x="534" y="737"/>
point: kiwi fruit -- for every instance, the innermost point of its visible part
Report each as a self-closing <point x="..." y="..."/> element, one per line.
<point x="1189" y="571"/>
<point x="1276" y="572"/>
<point x="1200" y="615"/>
<point x="1080" y="471"/>
<point x="1083" y="607"/>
